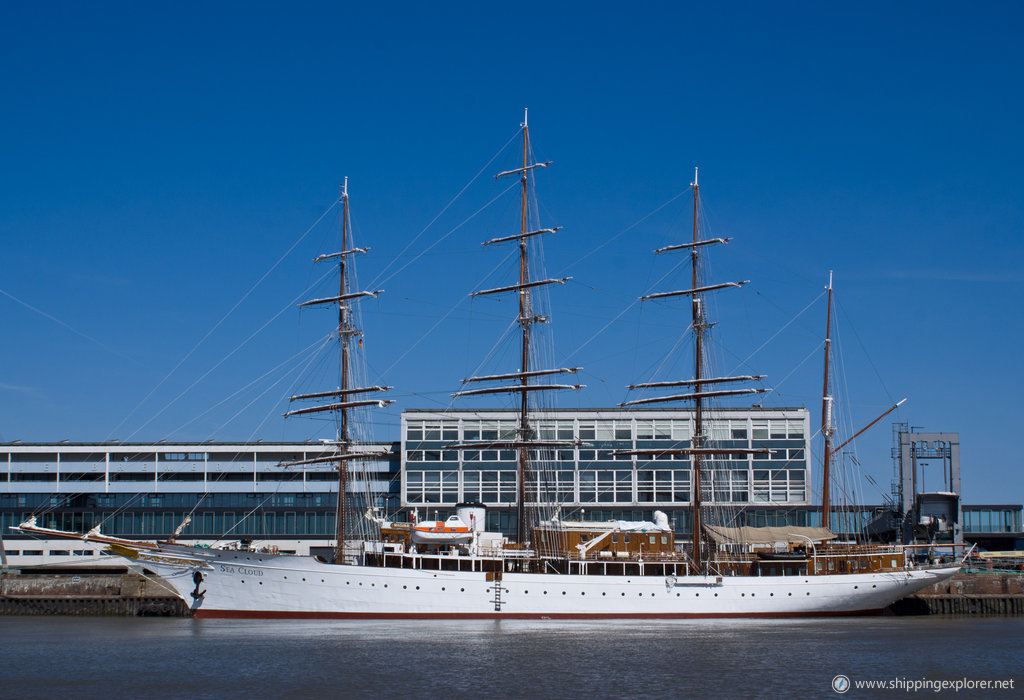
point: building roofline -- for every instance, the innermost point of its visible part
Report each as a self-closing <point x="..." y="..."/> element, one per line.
<point x="161" y="445"/>
<point x="606" y="409"/>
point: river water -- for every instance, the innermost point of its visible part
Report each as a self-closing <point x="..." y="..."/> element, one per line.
<point x="55" y="657"/>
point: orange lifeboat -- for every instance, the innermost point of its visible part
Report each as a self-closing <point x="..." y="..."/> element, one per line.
<point x="450" y="531"/>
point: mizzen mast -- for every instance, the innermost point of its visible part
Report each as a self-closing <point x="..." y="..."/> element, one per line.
<point x="525" y="438"/>
<point x="827" y="427"/>
<point x="346" y="332"/>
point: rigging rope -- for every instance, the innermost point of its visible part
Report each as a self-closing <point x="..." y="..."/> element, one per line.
<point x="627" y="229"/>
<point x="226" y="357"/>
<point x="382" y="279"/>
<point x="250" y="384"/>
<point x="218" y="324"/>
<point x="440" y="320"/>
<point x="775" y="388"/>
<point x="862" y="347"/>
<point x="442" y="238"/>
<point x="743" y="362"/>
<point x="62" y="323"/>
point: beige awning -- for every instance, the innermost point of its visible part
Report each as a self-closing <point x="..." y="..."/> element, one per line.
<point x="767" y="535"/>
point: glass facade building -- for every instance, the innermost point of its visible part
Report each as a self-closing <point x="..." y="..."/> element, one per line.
<point x="591" y="474"/>
<point x="229" y="490"/>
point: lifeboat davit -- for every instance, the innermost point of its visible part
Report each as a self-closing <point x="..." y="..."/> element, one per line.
<point x="450" y="531"/>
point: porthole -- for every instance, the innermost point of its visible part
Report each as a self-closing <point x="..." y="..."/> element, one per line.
<point x="790" y="595"/>
<point x="442" y="588"/>
<point x="808" y="593"/>
<point x="360" y="583"/>
<point x="404" y="587"/>
<point x="583" y="592"/>
<point x="563" y="592"/>
<point x="261" y="583"/>
<point x="855" y="587"/>
<point x="623" y="594"/>
<point x="873" y="586"/>
<point x="753" y="594"/>
<point x="303" y="579"/>
<point x="348" y="583"/>
<point x="463" y="590"/>
<point x="322" y="581"/>
<point x="697" y="595"/>
<point x="286" y="578"/>
<point x="545" y="592"/>
<point x="716" y="595"/>
<point x="743" y="595"/>
<point x="677" y="595"/>
<point x="771" y="595"/>
<point x="523" y="591"/>
<point x="243" y="580"/>
<point x="385" y="585"/>
<point x="603" y="593"/>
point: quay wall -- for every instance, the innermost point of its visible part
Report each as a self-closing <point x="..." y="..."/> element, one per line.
<point x="87" y="594"/>
<point x="969" y="593"/>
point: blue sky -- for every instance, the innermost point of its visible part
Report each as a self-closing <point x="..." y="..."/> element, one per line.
<point x="159" y="162"/>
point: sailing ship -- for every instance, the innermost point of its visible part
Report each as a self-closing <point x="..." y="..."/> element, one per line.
<point x="555" y="568"/>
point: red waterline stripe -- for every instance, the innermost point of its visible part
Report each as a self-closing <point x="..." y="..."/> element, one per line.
<point x="299" y="615"/>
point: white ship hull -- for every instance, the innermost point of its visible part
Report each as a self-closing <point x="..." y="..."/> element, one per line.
<point x="249" y="584"/>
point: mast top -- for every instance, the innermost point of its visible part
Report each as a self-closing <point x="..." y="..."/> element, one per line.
<point x="694" y="183"/>
<point x="344" y="189"/>
<point x="830" y="280"/>
<point x="525" y="120"/>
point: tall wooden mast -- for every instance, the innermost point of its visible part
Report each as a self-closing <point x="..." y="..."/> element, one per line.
<point x="698" y="362"/>
<point x="699" y="448"/>
<point x="524" y="322"/>
<point x="346" y="332"/>
<point x="827" y="429"/>
<point x="525" y="438"/>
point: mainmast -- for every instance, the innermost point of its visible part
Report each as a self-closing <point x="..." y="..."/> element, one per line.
<point x="525" y="438"/>
<point x="699" y="449"/>
<point x="346" y="331"/>
<point x="698" y="362"/>
<point x="827" y="428"/>
<point x="525" y="433"/>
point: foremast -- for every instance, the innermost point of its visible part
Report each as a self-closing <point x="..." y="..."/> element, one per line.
<point x="346" y="332"/>
<point x="699" y="449"/>
<point x="525" y="434"/>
